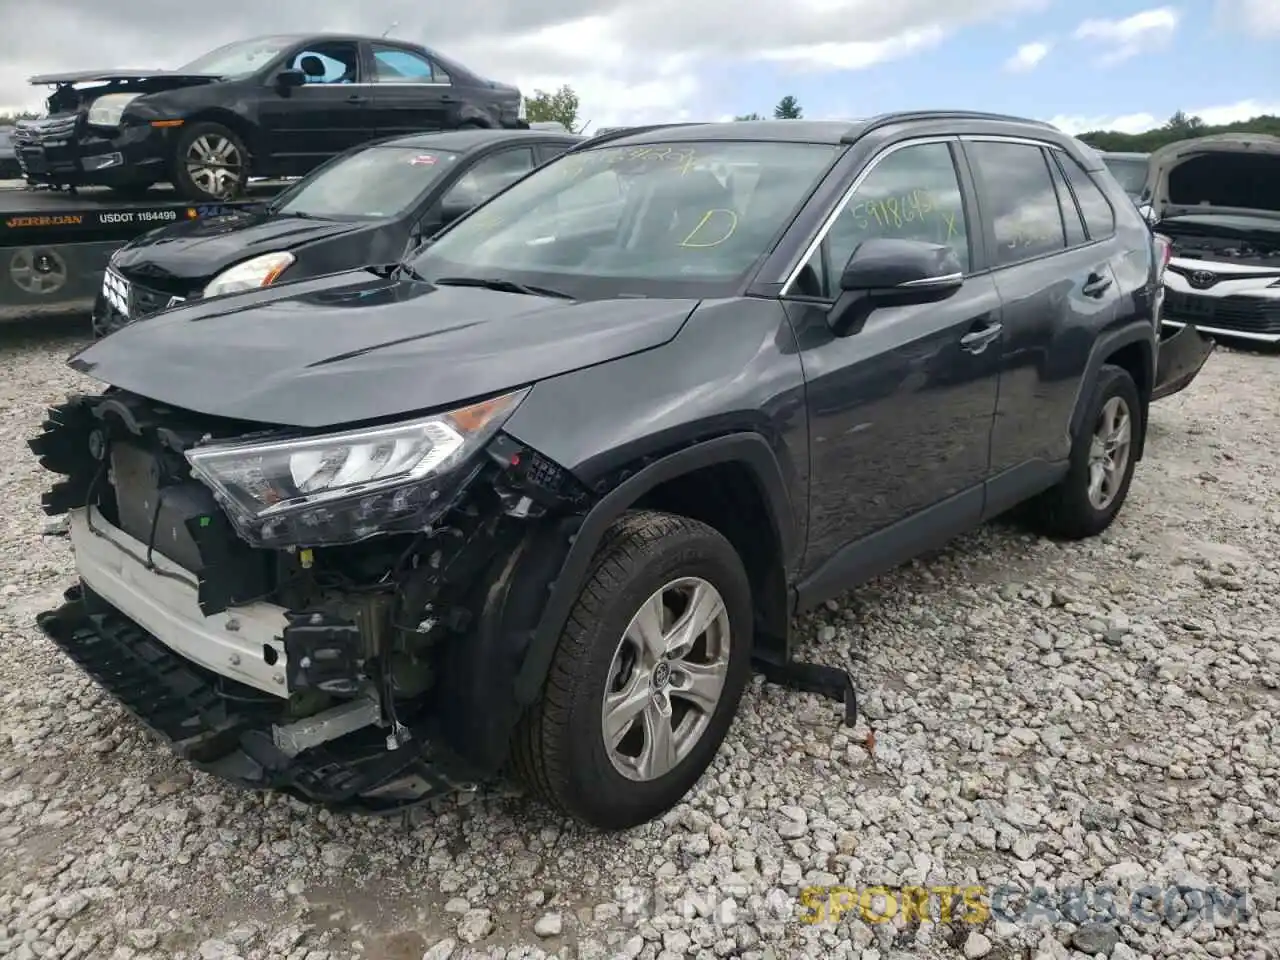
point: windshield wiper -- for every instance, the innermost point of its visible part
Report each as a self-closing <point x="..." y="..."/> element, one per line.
<point x="504" y="286"/>
<point x="404" y="270"/>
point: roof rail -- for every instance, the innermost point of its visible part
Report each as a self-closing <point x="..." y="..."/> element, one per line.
<point x="618" y="133"/>
<point x="888" y="119"/>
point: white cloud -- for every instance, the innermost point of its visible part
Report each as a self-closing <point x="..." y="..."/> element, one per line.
<point x="857" y="54"/>
<point x="1027" y="57"/>
<point x="629" y="62"/>
<point x="1257" y="17"/>
<point x="1142" y="122"/>
<point x="1125" y="123"/>
<point x="1122" y="39"/>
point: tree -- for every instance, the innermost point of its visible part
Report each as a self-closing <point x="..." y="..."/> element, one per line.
<point x="558" y="107"/>
<point x="1178" y="127"/>
<point x="1181" y="123"/>
<point x="749" y="116"/>
<point x="8" y="118"/>
<point x="787" y="109"/>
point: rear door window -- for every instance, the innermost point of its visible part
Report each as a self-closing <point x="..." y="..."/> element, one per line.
<point x="1018" y="200"/>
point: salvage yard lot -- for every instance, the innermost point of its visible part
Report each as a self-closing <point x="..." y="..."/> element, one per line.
<point x="1035" y="716"/>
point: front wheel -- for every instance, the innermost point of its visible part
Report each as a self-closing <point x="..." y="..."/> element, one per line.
<point x="210" y="162"/>
<point x="646" y="677"/>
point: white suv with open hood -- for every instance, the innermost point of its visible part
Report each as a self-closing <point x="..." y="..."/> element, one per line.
<point x="1217" y="198"/>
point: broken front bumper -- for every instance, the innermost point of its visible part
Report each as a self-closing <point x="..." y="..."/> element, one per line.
<point x="214" y="687"/>
<point x="1181" y="356"/>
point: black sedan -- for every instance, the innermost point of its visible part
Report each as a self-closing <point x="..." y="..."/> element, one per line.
<point x="275" y="106"/>
<point x="366" y="207"/>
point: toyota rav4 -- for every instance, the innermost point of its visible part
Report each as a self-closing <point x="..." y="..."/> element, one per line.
<point x="535" y="500"/>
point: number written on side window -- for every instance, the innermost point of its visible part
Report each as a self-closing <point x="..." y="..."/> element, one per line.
<point x="1067" y="206"/>
<point x="1020" y="200"/>
<point x="913" y="193"/>
<point x="1099" y="218"/>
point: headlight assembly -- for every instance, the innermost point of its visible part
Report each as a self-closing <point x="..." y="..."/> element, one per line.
<point x="250" y="274"/>
<point x="108" y="109"/>
<point x="346" y="487"/>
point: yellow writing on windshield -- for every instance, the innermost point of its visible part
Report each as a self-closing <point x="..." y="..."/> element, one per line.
<point x="915" y="206"/>
<point x="679" y="158"/>
<point x="718" y="224"/>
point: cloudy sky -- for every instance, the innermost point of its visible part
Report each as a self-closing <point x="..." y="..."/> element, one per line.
<point x="1084" y="64"/>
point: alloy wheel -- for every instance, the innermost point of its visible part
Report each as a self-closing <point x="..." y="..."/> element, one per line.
<point x="666" y="678"/>
<point x="214" y="164"/>
<point x="1109" y="452"/>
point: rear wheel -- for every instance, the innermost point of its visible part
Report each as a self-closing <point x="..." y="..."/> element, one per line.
<point x="646" y="677"/>
<point x="1087" y="499"/>
<point x="210" y="162"/>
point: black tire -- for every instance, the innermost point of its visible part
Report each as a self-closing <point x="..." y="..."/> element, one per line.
<point x="188" y="187"/>
<point x="559" y="751"/>
<point x="1065" y="510"/>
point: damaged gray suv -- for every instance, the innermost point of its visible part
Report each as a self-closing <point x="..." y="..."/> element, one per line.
<point x="535" y="501"/>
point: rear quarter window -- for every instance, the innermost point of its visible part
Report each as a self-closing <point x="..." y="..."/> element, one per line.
<point x="1099" y="217"/>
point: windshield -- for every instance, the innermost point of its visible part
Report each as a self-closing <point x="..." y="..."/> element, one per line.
<point x="372" y="183"/>
<point x="240" y="59"/>
<point x="1130" y="173"/>
<point x="672" y="219"/>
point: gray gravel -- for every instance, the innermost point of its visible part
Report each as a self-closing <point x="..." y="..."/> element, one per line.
<point x="1037" y="717"/>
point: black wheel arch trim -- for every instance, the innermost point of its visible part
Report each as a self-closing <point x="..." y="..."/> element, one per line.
<point x="747" y="448"/>
<point x="1138" y="331"/>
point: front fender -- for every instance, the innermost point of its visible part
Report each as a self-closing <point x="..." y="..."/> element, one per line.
<point x="747" y="448"/>
<point x="497" y="670"/>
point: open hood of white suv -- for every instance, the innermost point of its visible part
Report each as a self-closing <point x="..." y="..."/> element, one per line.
<point x="1228" y="174"/>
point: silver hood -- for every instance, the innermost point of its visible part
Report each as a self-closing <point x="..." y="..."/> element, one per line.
<point x="1227" y="173"/>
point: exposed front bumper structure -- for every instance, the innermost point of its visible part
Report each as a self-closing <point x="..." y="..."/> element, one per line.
<point x="220" y="727"/>
<point x="214" y="687"/>
<point x="241" y="643"/>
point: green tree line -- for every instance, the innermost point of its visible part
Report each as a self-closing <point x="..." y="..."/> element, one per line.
<point x="1178" y="127"/>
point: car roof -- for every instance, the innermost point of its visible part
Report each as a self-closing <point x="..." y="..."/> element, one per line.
<point x="473" y="138"/>
<point x="832" y="132"/>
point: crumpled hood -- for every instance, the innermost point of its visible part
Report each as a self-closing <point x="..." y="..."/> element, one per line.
<point x="109" y="76"/>
<point x="194" y="251"/>
<point x="1228" y="173"/>
<point x="354" y="347"/>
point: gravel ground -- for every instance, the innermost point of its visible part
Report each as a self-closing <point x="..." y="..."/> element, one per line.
<point x="1038" y="718"/>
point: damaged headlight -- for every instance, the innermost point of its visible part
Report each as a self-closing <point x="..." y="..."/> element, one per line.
<point x="345" y="487"/>
<point x="108" y="110"/>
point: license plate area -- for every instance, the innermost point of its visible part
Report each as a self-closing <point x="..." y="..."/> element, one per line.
<point x="32" y="159"/>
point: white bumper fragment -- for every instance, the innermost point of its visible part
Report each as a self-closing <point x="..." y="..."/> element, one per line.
<point x="233" y="643"/>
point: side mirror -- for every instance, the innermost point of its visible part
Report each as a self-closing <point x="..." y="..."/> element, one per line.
<point x="893" y="273"/>
<point x="290" y="77"/>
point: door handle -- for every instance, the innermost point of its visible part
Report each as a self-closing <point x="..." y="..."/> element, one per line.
<point x="975" y="341"/>
<point x="1096" y="285"/>
<point x="356" y="98"/>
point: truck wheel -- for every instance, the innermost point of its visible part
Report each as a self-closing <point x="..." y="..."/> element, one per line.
<point x="1087" y="499"/>
<point x="646" y="675"/>
<point x="210" y="162"/>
